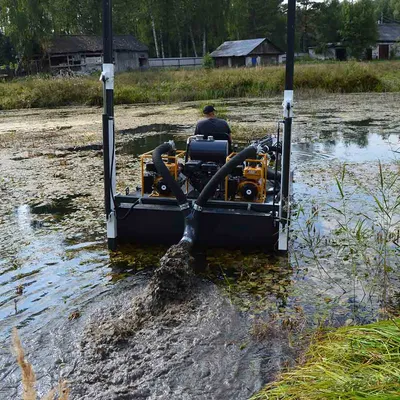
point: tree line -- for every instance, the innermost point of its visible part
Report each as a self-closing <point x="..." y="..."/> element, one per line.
<point x="179" y="28"/>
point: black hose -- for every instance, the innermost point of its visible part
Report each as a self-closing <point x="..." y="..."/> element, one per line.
<point x="211" y="187"/>
<point x="277" y="149"/>
<point x="165" y="173"/>
<point x="189" y="233"/>
<point x="271" y="175"/>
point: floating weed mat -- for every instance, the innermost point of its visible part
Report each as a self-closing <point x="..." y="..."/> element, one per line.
<point x="361" y="362"/>
<point x="254" y="282"/>
<point x="29" y="377"/>
<point x="138" y="257"/>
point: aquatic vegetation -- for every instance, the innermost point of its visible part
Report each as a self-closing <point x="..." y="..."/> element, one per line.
<point x="136" y="257"/>
<point x="359" y="241"/>
<point x="254" y="282"/>
<point x="359" y="362"/>
<point x="29" y="377"/>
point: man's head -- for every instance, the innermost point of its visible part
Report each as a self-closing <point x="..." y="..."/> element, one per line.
<point x="209" y="111"/>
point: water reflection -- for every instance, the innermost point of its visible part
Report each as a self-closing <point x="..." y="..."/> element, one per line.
<point x="161" y="128"/>
<point x="24" y="219"/>
<point x="140" y="145"/>
<point x="360" y="148"/>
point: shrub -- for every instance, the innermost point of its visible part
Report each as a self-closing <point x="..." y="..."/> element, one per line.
<point x="208" y="61"/>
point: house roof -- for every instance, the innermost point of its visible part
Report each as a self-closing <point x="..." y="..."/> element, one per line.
<point x="389" y="32"/>
<point x="90" y="43"/>
<point x="238" y="48"/>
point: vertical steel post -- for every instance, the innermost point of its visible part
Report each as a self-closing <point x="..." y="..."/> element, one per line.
<point x="107" y="77"/>
<point x="284" y="209"/>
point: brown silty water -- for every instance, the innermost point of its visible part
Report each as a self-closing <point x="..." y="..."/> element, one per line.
<point x="219" y="333"/>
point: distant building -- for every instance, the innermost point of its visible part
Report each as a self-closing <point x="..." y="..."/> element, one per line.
<point x="84" y="53"/>
<point x="388" y="44"/>
<point x="246" y="53"/>
<point x="176" y="62"/>
<point x="332" y="51"/>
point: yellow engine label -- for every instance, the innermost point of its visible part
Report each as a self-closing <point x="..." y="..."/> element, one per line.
<point x="253" y="173"/>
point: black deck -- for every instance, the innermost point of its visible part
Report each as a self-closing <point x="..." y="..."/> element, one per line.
<point x="222" y="224"/>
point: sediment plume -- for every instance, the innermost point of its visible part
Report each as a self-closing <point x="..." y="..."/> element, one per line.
<point x="170" y="284"/>
<point x="173" y="279"/>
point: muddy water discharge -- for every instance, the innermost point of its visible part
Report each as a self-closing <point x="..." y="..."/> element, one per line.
<point x="80" y="312"/>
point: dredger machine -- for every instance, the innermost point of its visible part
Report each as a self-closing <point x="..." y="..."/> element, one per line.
<point x="208" y="193"/>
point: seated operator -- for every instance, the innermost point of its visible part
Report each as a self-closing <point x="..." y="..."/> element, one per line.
<point x="212" y="126"/>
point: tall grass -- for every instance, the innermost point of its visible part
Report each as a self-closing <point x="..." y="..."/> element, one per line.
<point x="361" y="240"/>
<point x="186" y="85"/>
<point x="361" y="362"/>
<point x="29" y="377"/>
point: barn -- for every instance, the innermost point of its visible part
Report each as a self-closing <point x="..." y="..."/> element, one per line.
<point x="83" y="53"/>
<point x="246" y="53"/>
<point x="387" y="45"/>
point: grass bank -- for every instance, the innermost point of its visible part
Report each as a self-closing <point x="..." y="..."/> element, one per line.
<point x="361" y="362"/>
<point x="186" y="85"/>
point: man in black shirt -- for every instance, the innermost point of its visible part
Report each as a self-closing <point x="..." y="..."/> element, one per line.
<point x="212" y="126"/>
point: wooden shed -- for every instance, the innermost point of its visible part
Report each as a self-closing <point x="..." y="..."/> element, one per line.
<point x="84" y="53"/>
<point x="387" y="45"/>
<point x="247" y="53"/>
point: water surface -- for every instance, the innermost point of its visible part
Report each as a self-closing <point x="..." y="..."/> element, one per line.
<point x="54" y="260"/>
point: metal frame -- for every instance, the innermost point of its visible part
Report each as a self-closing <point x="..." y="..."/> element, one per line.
<point x="231" y="223"/>
<point x="146" y="157"/>
<point x="107" y="77"/>
<point x="284" y="206"/>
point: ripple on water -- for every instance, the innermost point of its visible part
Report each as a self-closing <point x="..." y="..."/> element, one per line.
<point x="45" y="271"/>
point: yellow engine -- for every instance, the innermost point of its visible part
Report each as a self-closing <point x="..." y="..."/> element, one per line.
<point x="248" y="181"/>
<point x="152" y="183"/>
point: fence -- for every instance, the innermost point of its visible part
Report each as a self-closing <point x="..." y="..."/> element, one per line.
<point x="184" y="62"/>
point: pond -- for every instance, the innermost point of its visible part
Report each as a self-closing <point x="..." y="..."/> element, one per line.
<point x="236" y="333"/>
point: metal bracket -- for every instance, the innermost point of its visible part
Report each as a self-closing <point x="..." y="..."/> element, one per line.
<point x="283" y="241"/>
<point x="172" y="144"/>
<point x="112" y="225"/>
<point x="197" y="207"/>
<point x="184" y="206"/>
<point x="288" y="104"/>
<point x="107" y="76"/>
